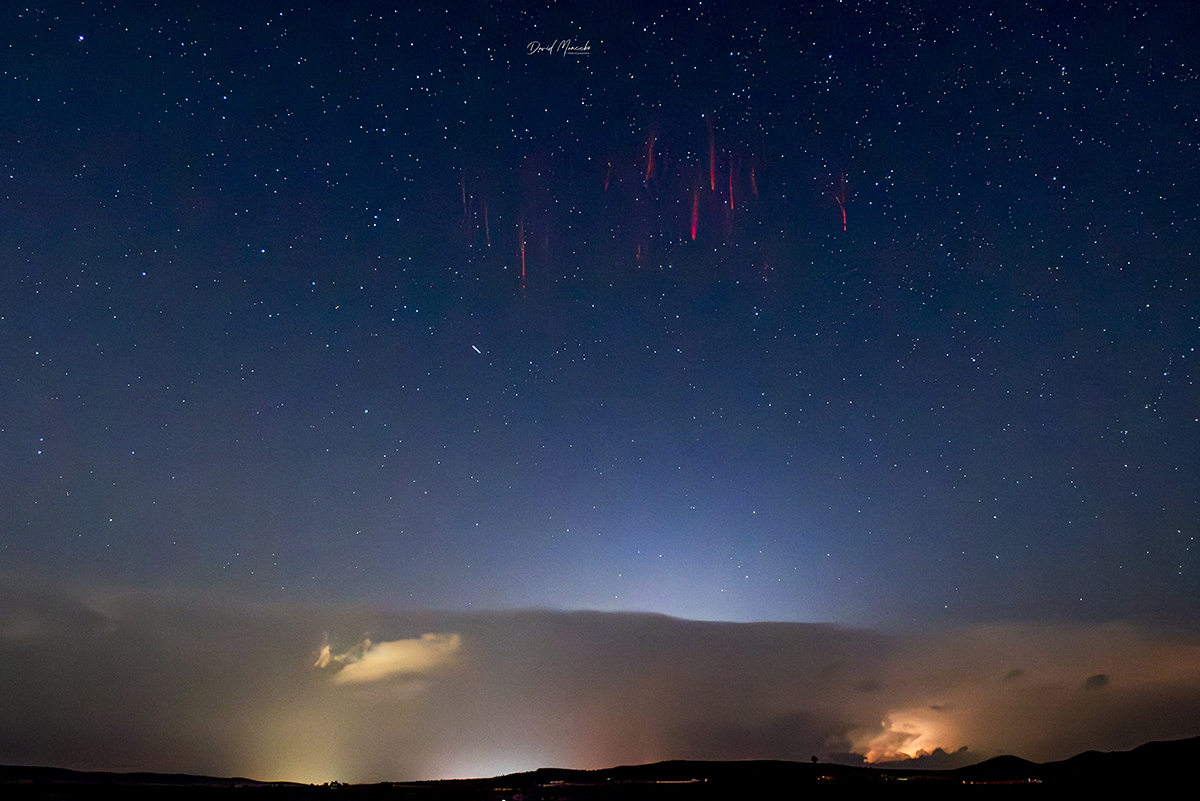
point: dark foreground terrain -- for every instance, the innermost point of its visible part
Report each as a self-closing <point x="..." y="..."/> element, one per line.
<point x="1155" y="765"/>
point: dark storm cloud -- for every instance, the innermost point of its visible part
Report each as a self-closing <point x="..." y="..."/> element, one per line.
<point x="188" y="684"/>
<point x="880" y="315"/>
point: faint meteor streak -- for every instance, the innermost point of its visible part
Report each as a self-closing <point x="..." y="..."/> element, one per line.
<point x="649" y="158"/>
<point x="712" y="158"/>
<point x="521" y="237"/>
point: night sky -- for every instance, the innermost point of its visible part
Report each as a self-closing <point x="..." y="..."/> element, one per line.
<point x="393" y="392"/>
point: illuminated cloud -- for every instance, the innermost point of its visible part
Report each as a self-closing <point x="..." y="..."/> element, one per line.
<point x="905" y="734"/>
<point x="373" y="661"/>
<point x="1034" y="690"/>
<point x="206" y="685"/>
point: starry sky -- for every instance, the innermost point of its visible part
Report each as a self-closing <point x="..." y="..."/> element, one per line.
<point x="388" y="357"/>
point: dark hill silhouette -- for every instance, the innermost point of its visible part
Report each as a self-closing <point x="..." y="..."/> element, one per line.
<point x="1165" y="764"/>
<point x="1151" y="763"/>
<point x="999" y="768"/>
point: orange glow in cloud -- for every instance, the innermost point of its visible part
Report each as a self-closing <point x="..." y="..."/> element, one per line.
<point x="907" y="734"/>
<point x="496" y="692"/>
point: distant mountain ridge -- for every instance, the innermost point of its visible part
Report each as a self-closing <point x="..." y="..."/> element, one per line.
<point x="1145" y="766"/>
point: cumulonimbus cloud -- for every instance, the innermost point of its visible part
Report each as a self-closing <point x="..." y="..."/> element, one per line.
<point x="205" y="684"/>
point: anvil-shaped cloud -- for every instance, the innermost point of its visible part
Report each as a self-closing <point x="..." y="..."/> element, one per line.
<point x="131" y="681"/>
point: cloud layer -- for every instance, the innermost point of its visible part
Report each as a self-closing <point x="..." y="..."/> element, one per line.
<point x="136" y="681"/>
